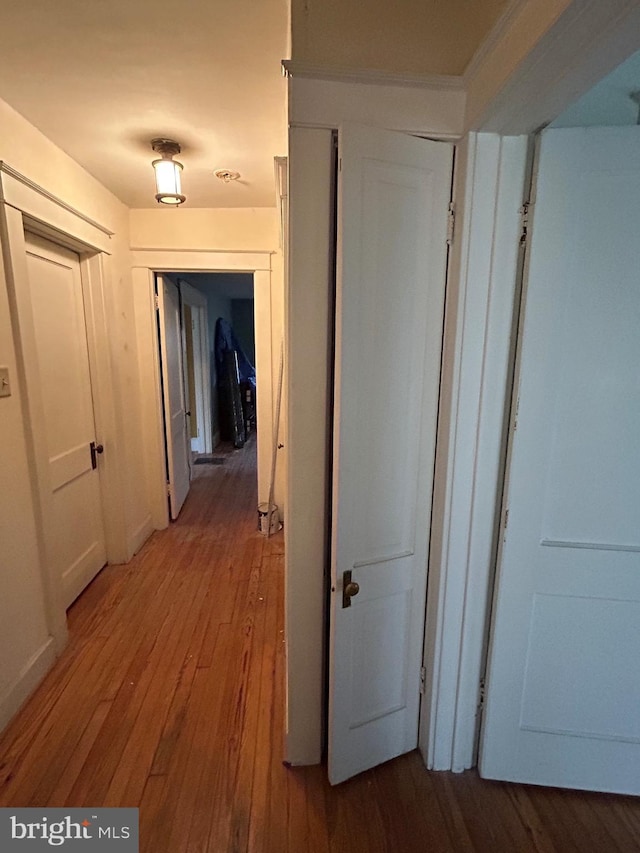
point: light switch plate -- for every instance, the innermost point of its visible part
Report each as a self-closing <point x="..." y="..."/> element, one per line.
<point x="5" y="387"/>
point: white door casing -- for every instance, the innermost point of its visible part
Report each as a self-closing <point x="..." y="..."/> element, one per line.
<point x="563" y="681"/>
<point x="393" y="196"/>
<point x="175" y="418"/>
<point x="78" y="548"/>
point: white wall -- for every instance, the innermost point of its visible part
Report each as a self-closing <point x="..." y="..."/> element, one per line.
<point x="23" y="622"/>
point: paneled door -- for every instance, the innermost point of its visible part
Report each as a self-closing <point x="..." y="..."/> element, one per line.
<point x="393" y="196"/>
<point x="563" y="702"/>
<point x="78" y="548"/>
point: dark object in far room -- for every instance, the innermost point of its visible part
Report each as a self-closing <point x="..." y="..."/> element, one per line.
<point x="232" y="368"/>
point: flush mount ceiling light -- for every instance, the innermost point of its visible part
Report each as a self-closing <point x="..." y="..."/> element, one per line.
<point x="226" y="175"/>
<point x="167" y="172"/>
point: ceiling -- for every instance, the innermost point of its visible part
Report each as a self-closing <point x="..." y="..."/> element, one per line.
<point x="102" y="79"/>
<point x="405" y="37"/>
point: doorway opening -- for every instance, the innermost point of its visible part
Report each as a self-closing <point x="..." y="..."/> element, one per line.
<point x="186" y="264"/>
<point x="206" y="336"/>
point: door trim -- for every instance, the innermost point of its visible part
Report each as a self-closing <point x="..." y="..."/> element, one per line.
<point x="147" y="262"/>
<point x="28" y="207"/>
<point x="481" y="303"/>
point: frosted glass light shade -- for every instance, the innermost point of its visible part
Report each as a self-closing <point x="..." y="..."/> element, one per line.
<point x="168" y="189"/>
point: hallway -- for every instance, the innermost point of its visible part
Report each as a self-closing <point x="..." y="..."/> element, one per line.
<point x="169" y="696"/>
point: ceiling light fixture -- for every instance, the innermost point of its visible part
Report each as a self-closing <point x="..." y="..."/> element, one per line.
<point x="227" y="175"/>
<point x="167" y="172"/>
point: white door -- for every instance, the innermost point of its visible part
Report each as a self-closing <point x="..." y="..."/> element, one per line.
<point x="175" y="416"/>
<point x="78" y="550"/>
<point x="393" y="196"/>
<point x="563" y="704"/>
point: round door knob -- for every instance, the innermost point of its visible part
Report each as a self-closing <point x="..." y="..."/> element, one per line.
<point x="351" y="589"/>
<point x="99" y="448"/>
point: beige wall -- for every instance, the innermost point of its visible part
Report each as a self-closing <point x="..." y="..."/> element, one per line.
<point x="412" y="36"/>
<point x="226" y="230"/>
<point x="23" y="613"/>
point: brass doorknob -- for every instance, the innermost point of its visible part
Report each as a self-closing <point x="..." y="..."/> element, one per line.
<point x="349" y="588"/>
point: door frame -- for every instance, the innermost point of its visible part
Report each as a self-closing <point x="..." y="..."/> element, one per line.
<point x="145" y="264"/>
<point x="25" y="206"/>
<point x="488" y="181"/>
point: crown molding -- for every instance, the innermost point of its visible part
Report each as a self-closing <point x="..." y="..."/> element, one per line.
<point x="32" y="187"/>
<point x="496" y="34"/>
<point x="296" y="68"/>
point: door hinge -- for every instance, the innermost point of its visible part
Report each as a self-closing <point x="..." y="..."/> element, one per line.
<point x="506" y="519"/>
<point x="451" y="222"/>
<point x="169" y="490"/>
<point x="524" y="222"/>
<point x="156" y="302"/>
<point x="423" y="679"/>
<point x="481" y="695"/>
<point x="515" y="417"/>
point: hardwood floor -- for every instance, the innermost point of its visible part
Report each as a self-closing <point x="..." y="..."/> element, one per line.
<point x="170" y="697"/>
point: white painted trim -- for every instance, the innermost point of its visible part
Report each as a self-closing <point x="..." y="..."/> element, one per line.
<point x="478" y="331"/>
<point x="30" y="677"/>
<point x="94" y="271"/>
<point x="542" y="56"/>
<point x="95" y="291"/>
<point x="436" y="112"/>
<point x="280" y="165"/>
<point x="298" y="68"/>
<point x="145" y="313"/>
<point x="15" y="266"/>
<point x="182" y="260"/>
<point x="308" y="307"/>
<point x="140" y="535"/>
<point x="52" y="212"/>
<point x="145" y="263"/>
<point x="264" y="374"/>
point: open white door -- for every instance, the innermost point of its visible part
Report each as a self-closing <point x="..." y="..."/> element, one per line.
<point x="393" y="195"/>
<point x="175" y="416"/>
<point x="564" y="675"/>
<point x="78" y="550"/>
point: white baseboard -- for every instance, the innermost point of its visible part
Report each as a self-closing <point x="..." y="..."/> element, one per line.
<point x="140" y="536"/>
<point x="29" y="678"/>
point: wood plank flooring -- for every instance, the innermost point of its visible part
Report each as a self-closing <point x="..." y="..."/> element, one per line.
<point x="170" y="697"/>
